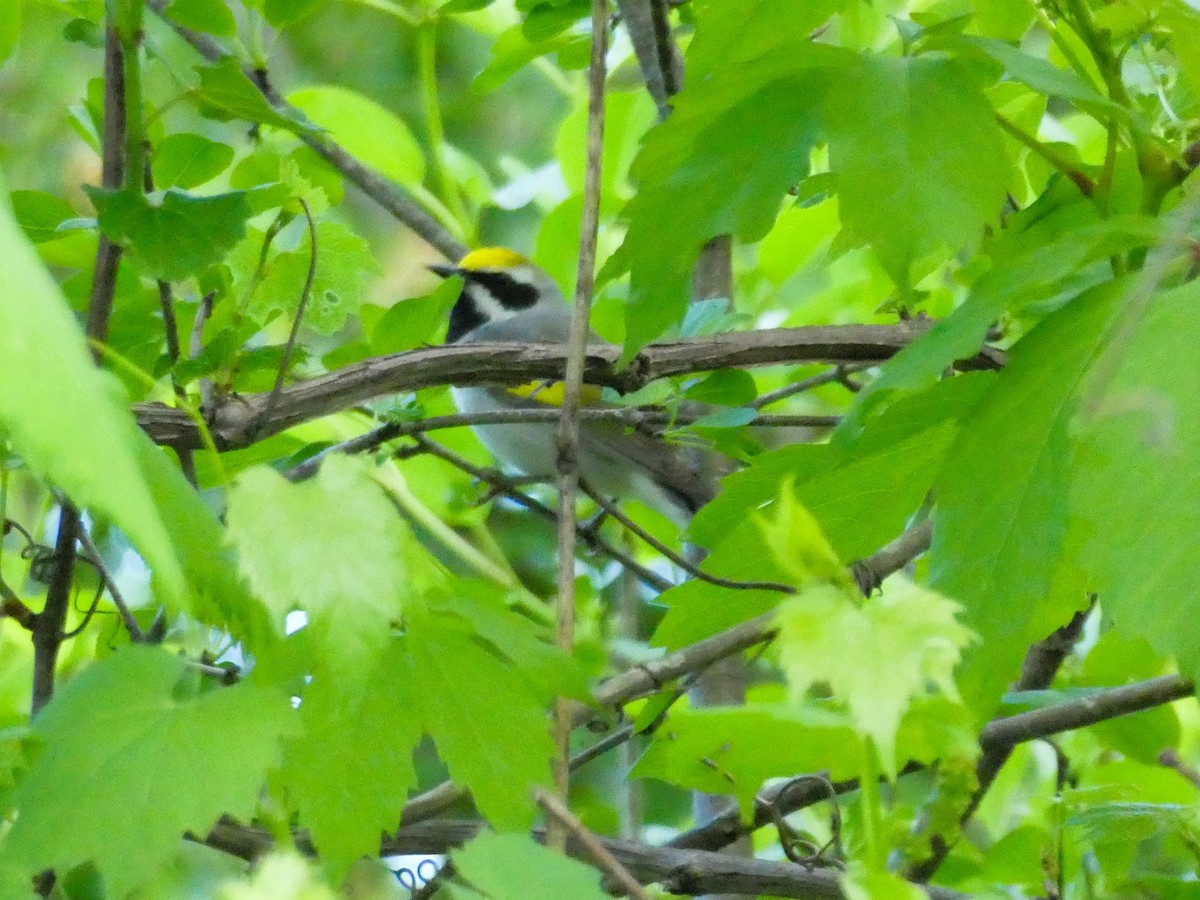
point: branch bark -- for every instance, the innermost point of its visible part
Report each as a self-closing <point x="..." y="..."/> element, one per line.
<point x="238" y="420"/>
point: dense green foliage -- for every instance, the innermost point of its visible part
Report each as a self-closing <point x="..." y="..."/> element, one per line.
<point x="1015" y="173"/>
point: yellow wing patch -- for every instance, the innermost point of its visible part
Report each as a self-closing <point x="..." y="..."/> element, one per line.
<point x="551" y="393"/>
<point x="492" y="258"/>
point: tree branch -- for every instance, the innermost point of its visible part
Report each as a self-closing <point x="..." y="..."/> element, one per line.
<point x="233" y="421"/>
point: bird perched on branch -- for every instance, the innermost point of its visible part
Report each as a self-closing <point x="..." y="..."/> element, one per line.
<point x="505" y="297"/>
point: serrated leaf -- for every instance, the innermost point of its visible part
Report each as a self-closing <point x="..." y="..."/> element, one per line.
<point x="497" y="743"/>
<point x="135" y="726"/>
<point x="1137" y="484"/>
<point x="919" y="156"/>
<point x="876" y="656"/>
<point x="514" y="867"/>
<point x="175" y="235"/>
<point x="861" y="493"/>
<point x="344" y="263"/>
<point x="186" y="160"/>
<point x="226" y="93"/>
<point x="713" y="140"/>
<point x="350" y="771"/>
<point x="1002" y="500"/>
<point x="373" y="134"/>
<point x="348" y="574"/>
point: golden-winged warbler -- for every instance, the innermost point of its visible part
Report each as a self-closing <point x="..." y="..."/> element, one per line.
<point x="505" y="297"/>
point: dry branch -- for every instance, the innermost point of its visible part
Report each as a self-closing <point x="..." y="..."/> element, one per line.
<point x="237" y="421"/>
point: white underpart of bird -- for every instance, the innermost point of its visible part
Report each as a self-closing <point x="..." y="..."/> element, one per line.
<point x="505" y="297"/>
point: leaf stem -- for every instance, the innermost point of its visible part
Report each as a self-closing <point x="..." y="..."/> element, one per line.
<point x="868" y="793"/>
<point x="427" y="72"/>
<point x="1059" y="162"/>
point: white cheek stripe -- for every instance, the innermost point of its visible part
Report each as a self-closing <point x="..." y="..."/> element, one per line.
<point x="488" y="306"/>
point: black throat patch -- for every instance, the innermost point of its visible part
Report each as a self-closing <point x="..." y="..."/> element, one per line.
<point x="481" y="293"/>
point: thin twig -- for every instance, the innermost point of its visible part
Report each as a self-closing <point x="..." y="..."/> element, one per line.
<point x="498" y="482"/>
<point x="13" y="607"/>
<point x="838" y="373"/>
<point x="557" y="810"/>
<point x="678" y="558"/>
<point x="305" y="294"/>
<point x="93" y="556"/>
<point x="567" y="436"/>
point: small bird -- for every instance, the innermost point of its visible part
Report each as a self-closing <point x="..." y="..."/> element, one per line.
<point x="505" y="297"/>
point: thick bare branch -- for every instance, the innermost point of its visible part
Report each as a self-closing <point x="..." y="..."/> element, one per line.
<point x="234" y="421"/>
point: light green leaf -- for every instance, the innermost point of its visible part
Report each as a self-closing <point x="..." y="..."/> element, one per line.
<point x="919" y="157"/>
<point x="39" y="214"/>
<point x="497" y="743"/>
<point x="350" y="771"/>
<point x="861" y="884"/>
<point x="10" y="26"/>
<point x="286" y="13"/>
<point x="795" y="539"/>
<point x="140" y="725"/>
<point x="735" y="751"/>
<point x="876" y="656"/>
<point x="344" y="264"/>
<point x="175" y="235"/>
<point x="412" y="323"/>
<point x="347" y="574"/>
<point x="186" y="160"/>
<point x="62" y="414"/>
<point x="1136" y="496"/>
<point x="226" y="93"/>
<point x="514" y="867"/>
<point x="1001" y="515"/>
<point x="373" y="134"/>
<point x="211" y="16"/>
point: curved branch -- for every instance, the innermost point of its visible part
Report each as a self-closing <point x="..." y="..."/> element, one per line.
<point x="238" y="421"/>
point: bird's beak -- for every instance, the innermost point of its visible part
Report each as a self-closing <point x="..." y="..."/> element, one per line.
<point x="443" y="269"/>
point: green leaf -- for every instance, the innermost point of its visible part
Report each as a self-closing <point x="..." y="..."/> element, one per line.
<point x="211" y="16"/>
<point x="10" y="26"/>
<point x="175" y="235"/>
<point x="514" y="867"/>
<point x="737" y="750"/>
<point x="373" y="134"/>
<point x="727" y="387"/>
<point x="703" y="171"/>
<point x="186" y="160"/>
<point x="39" y="214"/>
<point x="1137" y="482"/>
<point x="62" y="414"/>
<point x="286" y="13"/>
<point x="876" y="656"/>
<point x="861" y="884"/>
<point x="348" y="574"/>
<point x="1046" y="78"/>
<point x="919" y="157"/>
<point x="139" y="725"/>
<point x="1002" y="504"/>
<point x="861" y="493"/>
<point x="413" y="323"/>
<point x="497" y="743"/>
<point x="344" y="263"/>
<point x="353" y="738"/>
<point x="1052" y="254"/>
<point x="226" y="93"/>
